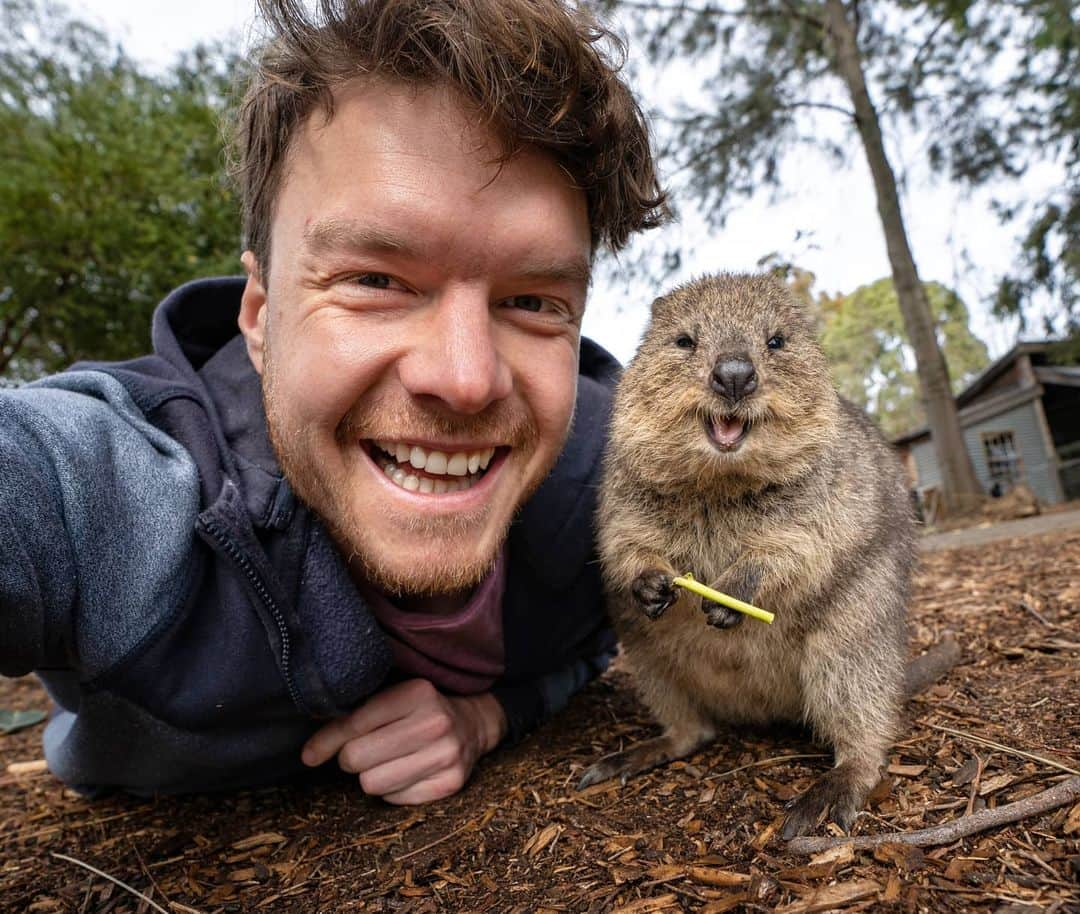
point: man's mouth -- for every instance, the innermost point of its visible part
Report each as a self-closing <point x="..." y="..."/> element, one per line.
<point x="428" y="471"/>
<point x="727" y="432"/>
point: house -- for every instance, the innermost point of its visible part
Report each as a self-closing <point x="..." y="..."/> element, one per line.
<point x="1021" y="423"/>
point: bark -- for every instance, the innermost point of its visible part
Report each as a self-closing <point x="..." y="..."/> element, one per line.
<point x="960" y="486"/>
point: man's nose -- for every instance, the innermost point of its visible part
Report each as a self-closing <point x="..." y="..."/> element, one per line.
<point x="457" y="358"/>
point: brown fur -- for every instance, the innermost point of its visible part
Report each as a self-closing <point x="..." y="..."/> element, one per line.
<point x="809" y="518"/>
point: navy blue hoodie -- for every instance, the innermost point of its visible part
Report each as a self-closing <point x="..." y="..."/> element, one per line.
<point x="192" y="619"/>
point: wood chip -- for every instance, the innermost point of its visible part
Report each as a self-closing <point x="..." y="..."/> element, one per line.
<point x="542" y="839"/>
<point x="261" y="840"/>
<point x="647" y="905"/>
<point x="906" y="771"/>
<point x="903" y="856"/>
<point x="833" y="896"/>
<point x="711" y="875"/>
<point x="1072" y="823"/>
<point x="994" y="784"/>
<point x="22" y="768"/>
<point x="725" y="904"/>
<point x="839" y="855"/>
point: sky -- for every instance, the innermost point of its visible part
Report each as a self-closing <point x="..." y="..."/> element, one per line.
<point x="826" y="220"/>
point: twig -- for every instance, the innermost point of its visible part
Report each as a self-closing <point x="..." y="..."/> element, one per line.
<point x="42" y="832"/>
<point x="1038" y="615"/>
<point x="975" y="782"/>
<point x="147" y="873"/>
<point x="436" y="842"/>
<point x="112" y="879"/>
<point x="1001" y="747"/>
<point x="763" y="763"/>
<point x="1065" y="792"/>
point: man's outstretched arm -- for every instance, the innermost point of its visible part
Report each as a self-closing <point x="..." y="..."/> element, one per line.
<point x="96" y="515"/>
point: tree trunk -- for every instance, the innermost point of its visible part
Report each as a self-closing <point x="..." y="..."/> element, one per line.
<point x="12" y="339"/>
<point x="959" y="484"/>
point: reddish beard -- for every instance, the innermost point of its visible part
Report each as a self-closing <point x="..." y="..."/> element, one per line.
<point x="506" y="422"/>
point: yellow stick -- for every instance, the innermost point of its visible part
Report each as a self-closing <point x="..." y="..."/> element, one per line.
<point x="687" y="581"/>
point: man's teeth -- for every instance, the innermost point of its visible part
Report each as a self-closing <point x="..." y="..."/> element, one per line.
<point x="464" y="466"/>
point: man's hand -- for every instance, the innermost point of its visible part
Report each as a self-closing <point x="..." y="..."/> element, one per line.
<point x="410" y="743"/>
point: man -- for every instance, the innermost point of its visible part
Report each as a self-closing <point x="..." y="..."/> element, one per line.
<point x="372" y="505"/>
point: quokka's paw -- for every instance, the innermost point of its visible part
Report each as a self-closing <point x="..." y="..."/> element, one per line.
<point x="655" y="592"/>
<point x="834" y="797"/>
<point x="720" y="616"/>
<point x="605" y="769"/>
<point x="634" y="760"/>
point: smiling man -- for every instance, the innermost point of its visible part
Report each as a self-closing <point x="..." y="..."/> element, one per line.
<point x="360" y="527"/>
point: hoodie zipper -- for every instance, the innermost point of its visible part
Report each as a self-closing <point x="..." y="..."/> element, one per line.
<point x="244" y="564"/>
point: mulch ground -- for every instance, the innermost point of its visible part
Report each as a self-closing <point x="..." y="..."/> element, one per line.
<point x="699" y="836"/>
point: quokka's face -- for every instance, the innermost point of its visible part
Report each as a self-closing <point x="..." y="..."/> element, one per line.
<point x="729" y="372"/>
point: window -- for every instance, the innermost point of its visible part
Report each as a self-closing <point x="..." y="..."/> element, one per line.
<point x="1002" y="460"/>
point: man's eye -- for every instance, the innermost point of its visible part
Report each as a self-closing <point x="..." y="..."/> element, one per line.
<point x="374" y="280"/>
<point x="532" y="303"/>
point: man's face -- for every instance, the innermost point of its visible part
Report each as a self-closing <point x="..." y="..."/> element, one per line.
<point x="417" y="334"/>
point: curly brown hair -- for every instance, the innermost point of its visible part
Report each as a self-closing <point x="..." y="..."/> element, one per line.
<point x="535" y="71"/>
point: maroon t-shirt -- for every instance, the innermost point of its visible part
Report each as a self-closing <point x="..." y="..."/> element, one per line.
<point x="460" y="652"/>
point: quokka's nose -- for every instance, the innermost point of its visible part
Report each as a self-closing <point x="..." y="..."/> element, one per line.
<point x="734" y="377"/>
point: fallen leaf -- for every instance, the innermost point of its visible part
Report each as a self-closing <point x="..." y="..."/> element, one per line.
<point x="965" y="774"/>
<point x="13" y="721"/>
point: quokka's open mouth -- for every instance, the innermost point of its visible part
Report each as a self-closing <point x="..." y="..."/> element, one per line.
<point x="727" y="433"/>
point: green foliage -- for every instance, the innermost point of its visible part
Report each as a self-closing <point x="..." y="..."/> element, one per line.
<point x="112" y="191"/>
<point x="1046" y="86"/>
<point x="872" y="361"/>
<point x="991" y="86"/>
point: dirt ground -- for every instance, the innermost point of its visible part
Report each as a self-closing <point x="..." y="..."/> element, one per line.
<point x="698" y="836"/>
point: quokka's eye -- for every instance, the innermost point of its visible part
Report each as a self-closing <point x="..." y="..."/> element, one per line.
<point x="776" y="342"/>
<point x="685" y="341"/>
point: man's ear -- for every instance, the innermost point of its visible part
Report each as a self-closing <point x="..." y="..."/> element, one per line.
<point x="253" y="306"/>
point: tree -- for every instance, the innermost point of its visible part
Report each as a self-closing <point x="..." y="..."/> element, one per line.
<point x="112" y="190"/>
<point x="773" y="67"/>
<point x="871" y="358"/>
<point x="1045" y="87"/>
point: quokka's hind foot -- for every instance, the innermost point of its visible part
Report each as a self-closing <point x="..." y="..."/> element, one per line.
<point x="838" y="797"/>
<point x="641" y="757"/>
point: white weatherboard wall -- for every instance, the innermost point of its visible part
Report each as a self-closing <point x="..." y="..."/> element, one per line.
<point x="1036" y="466"/>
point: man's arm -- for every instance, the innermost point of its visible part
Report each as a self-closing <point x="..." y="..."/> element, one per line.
<point x="97" y="510"/>
<point x="411" y="744"/>
<point x="37" y="580"/>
